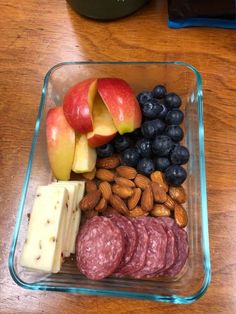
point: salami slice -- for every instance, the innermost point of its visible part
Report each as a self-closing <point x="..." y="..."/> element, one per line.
<point x="156" y="253"/>
<point x="182" y="247"/>
<point x="139" y="256"/>
<point x="100" y="247"/>
<point x="130" y="237"/>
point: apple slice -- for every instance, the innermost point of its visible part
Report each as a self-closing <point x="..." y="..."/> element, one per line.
<point x="103" y="127"/>
<point x="78" y="105"/>
<point x="85" y="156"/>
<point x="121" y="102"/>
<point x="60" y="142"/>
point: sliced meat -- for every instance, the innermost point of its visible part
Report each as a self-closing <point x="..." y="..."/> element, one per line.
<point x="156" y="253"/>
<point x="139" y="257"/>
<point x="100" y="247"/>
<point x="182" y="247"/>
<point x="130" y="237"/>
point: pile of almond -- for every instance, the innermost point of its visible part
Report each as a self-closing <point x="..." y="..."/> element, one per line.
<point x="114" y="188"/>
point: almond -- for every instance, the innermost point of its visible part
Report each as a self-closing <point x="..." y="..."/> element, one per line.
<point x="181" y="217"/>
<point x="141" y="181"/>
<point x="147" y="199"/>
<point x="135" y="198"/>
<point x="90" y="186"/>
<point x="137" y="211"/>
<point x="122" y="191"/>
<point x="126" y="172"/>
<point x="118" y="204"/>
<point x="90" y="213"/>
<point x="178" y="194"/>
<point x="105" y="188"/>
<point x="90" y="200"/>
<point x="108" y="162"/>
<point x="159" y="193"/>
<point x="169" y="203"/>
<point x="109" y="211"/>
<point x="158" y="177"/>
<point x="89" y="175"/>
<point x="102" y="205"/>
<point x="124" y="182"/>
<point x="105" y="175"/>
<point x="160" y="210"/>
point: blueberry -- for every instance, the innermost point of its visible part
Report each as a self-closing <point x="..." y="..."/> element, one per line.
<point x="144" y="147"/>
<point x="151" y="109"/>
<point x="159" y="91"/>
<point x="130" y="157"/>
<point x="144" y="97"/>
<point x="105" y="150"/>
<point x="151" y="128"/>
<point x="162" y="163"/>
<point x="174" y="132"/>
<point x="162" y="114"/>
<point x="146" y="166"/>
<point x="174" y="116"/>
<point x="136" y="133"/>
<point x="122" y="142"/>
<point x="179" y="155"/>
<point x="175" y="175"/>
<point x="173" y="100"/>
<point x="162" y="145"/>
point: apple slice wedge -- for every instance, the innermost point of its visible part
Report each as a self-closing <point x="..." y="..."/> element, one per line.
<point x="121" y="102"/>
<point x="78" y="105"/>
<point x="103" y="127"/>
<point x="60" y="143"/>
<point x="85" y="156"/>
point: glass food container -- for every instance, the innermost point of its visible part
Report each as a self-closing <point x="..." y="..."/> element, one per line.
<point x="194" y="279"/>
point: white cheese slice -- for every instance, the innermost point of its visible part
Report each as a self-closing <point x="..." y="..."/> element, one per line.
<point x="76" y="218"/>
<point x="41" y="244"/>
<point x="71" y="207"/>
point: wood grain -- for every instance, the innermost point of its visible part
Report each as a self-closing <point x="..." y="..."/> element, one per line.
<point x="36" y="34"/>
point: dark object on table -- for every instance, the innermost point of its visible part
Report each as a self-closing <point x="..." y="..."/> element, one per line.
<point x="106" y="9"/>
<point x="187" y="13"/>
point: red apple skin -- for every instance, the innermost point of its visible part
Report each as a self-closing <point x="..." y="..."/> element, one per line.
<point x="60" y="143"/>
<point x="99" y="140"/>
<point x="78" y="103"/>
<point x="121" y="103"/>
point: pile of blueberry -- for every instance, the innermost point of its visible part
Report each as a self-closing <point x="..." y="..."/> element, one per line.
<point x="156" y="145"/>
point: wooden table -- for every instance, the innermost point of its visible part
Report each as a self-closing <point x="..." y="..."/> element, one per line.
<point x="38" y="34"/>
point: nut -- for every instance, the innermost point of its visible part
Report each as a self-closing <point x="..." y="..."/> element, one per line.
<point x="90" y="186"/>
<point x="122" y="191"/>
<point x="109" y="211"/>
<point x="169" y="203"/>
<point x="102" y="205"/>
<point x="124" y="182"/>
<point x="105" y="175"/>
<point x="147" y="199"/>
<point x="89" y="175"/>
<point x="118" y="204"/>
<point x="180" y="214"/>
<point x="90" y="213"/>
<point x="141" y="181"/>
<point x="159" y="193"/>
<point x="126" y="172"/>
<point x="90" y="200"/>
<point x="158" y="177"/>
<point x="137" y="211"/>
<point x="160" y="210"/>
<point x="178" y="194"/>
<point x="134" y="199"/>
<point x="105" y="188"/>
<point x="108" y="162"/>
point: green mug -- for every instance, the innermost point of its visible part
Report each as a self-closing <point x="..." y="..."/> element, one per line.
<point x="106" y="9"/>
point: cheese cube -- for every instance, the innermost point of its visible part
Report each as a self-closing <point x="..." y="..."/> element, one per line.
<point x="41" y="246"/>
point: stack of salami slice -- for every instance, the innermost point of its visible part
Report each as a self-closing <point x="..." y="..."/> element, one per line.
<point x="143" y="247"/>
